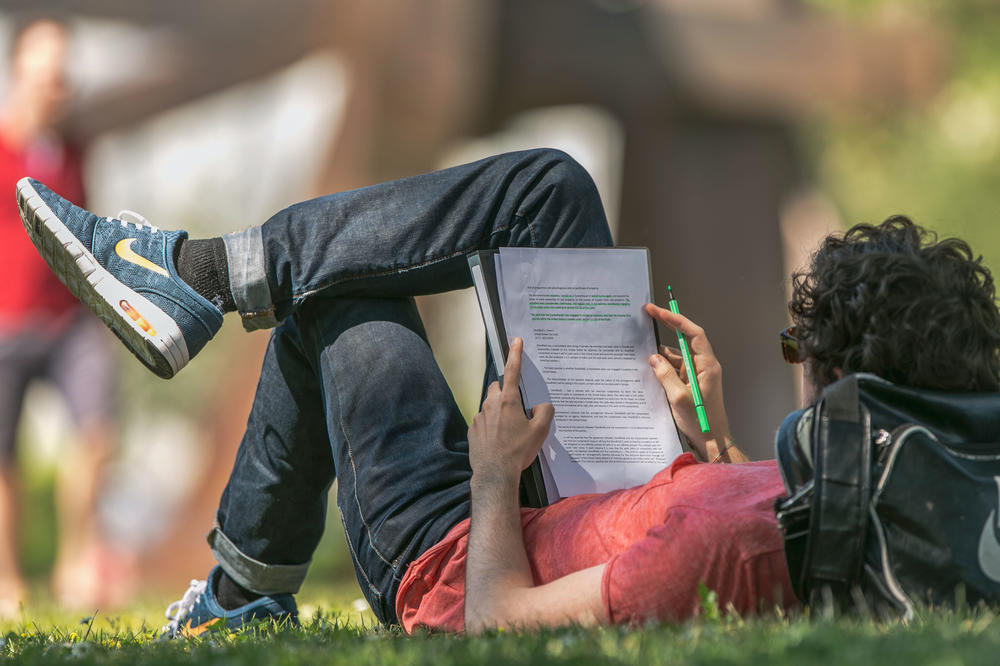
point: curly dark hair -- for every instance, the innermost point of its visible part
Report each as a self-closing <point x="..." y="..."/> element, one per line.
<point x="895" y="301"/>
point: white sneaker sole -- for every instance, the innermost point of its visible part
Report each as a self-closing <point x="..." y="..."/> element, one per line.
<point x="148" y="332"/>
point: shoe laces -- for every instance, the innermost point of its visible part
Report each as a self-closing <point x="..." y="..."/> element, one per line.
<point x="177" y="610"/>
<point x="138" y="220"/>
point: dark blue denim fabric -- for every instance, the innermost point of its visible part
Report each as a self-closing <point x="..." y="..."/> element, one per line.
<point x="350" y="389"/>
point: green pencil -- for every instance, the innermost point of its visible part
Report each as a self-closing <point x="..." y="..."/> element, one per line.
<point x="699" y="406"/>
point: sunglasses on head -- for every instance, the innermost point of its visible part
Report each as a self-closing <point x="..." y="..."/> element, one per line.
<point x="790" y="346"/>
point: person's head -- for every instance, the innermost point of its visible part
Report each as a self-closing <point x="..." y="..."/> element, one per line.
<point x="38" y="56"/>
<point x="895" y="301"/>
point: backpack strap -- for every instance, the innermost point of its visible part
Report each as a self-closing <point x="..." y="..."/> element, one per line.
<point x="841" y="454"/>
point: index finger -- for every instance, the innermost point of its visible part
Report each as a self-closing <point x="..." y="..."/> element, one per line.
<point x="512" y="369"/>
<point x="695" y="334"/>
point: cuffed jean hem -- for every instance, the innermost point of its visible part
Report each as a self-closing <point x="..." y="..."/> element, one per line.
<point x="248" y="278"/>
<point x="252" y="574"/>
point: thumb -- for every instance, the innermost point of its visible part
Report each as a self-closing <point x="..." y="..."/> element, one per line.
<point x="542" y="415"/>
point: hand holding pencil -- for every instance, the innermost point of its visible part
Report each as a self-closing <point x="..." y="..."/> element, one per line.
<point x="670" y="370"/>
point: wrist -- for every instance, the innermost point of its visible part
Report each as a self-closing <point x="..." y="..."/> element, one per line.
<point x="717" y="446"/>
<point x="494" y="479"/>
<point x="729" y="453"/>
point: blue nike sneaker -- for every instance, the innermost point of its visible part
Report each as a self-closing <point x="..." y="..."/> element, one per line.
<point x="123" y="270"/>
<point x="199" y="611"/>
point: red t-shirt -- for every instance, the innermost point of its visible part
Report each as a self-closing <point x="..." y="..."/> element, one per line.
<point x="691" y="523"/>
<point x="30" y="293"/>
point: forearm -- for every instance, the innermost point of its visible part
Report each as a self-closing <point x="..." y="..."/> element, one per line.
<point x="499" y="589"/>
<point x="497" y="564"/>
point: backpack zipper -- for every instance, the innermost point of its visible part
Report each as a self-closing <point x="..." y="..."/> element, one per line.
<point x="882" y="443"/>
<point x="889" y="451"/>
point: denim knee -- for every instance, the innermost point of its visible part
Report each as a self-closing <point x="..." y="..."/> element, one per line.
<point x="564" y="195"/>
<point x="566" y="172"/>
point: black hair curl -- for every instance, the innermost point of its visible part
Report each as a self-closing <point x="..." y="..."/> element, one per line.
<point x="894" y="301"/>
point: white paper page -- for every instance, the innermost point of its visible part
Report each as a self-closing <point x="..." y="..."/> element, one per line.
<point x="586" y="345"/>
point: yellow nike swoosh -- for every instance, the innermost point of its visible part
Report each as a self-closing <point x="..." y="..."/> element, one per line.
<point x="200" y="629"/>
<point x="124" y="250"/>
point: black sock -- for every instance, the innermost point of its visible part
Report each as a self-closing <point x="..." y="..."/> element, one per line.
<point x="231" y="595"/>
<point x="202" y="263"/>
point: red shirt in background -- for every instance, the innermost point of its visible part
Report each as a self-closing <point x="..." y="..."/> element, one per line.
<point x="30" y="293"/>
<point x="691" y="523"/>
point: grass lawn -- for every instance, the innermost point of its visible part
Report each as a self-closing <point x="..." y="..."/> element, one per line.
<point x="334" y="633"/>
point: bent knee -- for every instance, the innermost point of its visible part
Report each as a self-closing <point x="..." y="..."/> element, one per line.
<point x="370" y="350"/>
<point x="563" y="169"/>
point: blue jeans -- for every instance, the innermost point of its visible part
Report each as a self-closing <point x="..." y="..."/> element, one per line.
<point x="349" y="388"/>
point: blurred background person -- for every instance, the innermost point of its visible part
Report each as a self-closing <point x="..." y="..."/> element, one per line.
<point x="44" y="334"/>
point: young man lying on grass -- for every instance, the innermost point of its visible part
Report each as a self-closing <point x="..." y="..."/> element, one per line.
<point x="349" y="390"/>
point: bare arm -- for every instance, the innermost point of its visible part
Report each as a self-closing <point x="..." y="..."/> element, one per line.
<point x="499" y="589"/>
